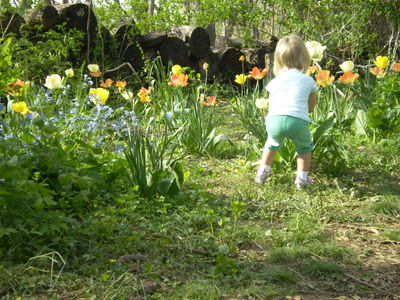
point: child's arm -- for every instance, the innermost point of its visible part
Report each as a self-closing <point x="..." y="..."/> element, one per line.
<point x="312" y="101"/>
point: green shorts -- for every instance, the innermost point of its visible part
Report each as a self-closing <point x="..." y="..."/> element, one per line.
<point x="280" y="127"/>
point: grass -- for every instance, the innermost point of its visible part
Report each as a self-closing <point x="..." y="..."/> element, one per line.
<point x="226" y="237"/>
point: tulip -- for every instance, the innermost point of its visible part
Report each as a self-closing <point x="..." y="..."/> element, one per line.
<point x="17" y="87"/>
<point x="240" y="79"/>
<point x="127" y="95"/>
<point x="144" y="94"/>
<point x="381" y="61"/>
<point x="21" y="107"/>
<point x="347" y="66"/>
<point x="70" y="73"/>
<point x="262" y="103"/>
<point x="180" y="80"/>
<point x="121" y="85"/>
<point x="241" y="58"/>
<point x="395" y="67"/>
<point x="323" y="78"/>
<point x="316" y="50"/>
<point x="349" y="77"/>
<point x="93" y="68"/>
<point x="378" y="72"/>
<point x="205" y="66"/>
<point x="256" y="74"/>
<point x="176" y="69"/>
<point x="99" y="95"/>
<point x="53" y="82"/>
<point x="313" y="69"/>
<point x="210" y="101"/>
<point x="106" y="83"/>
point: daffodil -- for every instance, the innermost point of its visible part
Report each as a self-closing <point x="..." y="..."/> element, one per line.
<point x="381" y="61"/>
<point x="240" y="79"/>
<point x="99" y="95"/>
<point x="347" y="66"/>
<point x="349" y="77"/>
<point x="21" y="107"/>
<point x="316" y="50"/>
<point x="323" y="78"/>
<point x="257" y="74"/>
<point x="176" y="69"/>
<point x="180" y="80"/>
<point x="70" y="73"/>
<point x="242" y="58"/>
<point x="53" y="82"/>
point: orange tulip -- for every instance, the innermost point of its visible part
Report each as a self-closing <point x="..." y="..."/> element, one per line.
<point x="121" y="85"/>
<point x="323" y="78"/>
<point x="378" y="72"/>
<point x="349" y="77"/>
<point x="144" y="94"/>
<point x="95" y="74"/>
<point x="17" y="87"/>
<point x="395" y="67"/>
<point x="180" y="80"/>
<point x="313" y="69"/>
<point x="256" y="74"/>
<point x="106" y="83"/>
<point x="211" y="100"/>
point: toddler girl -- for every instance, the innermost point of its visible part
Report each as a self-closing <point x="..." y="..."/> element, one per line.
<point x="292" y="95"/>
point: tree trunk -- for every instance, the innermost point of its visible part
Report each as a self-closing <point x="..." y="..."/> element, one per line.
<point x="152" y="39"/>
<point x="174" y="50"/>
<point x="210" y="28"/>
<point x="10" y="23"/>
<point x="46" y="16"/>
<point x="255" y="57"/>
<point x="196" y="37"/>
<point x="212" y="60"/>
<point x="229" y="62"/>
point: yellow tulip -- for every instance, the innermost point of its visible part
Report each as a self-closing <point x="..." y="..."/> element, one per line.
<point x="176" y="69"/>
<point x="242" y="58"/>
<point x="99" y="95"/>
<point x="240" y="79"/>
<point x="381" y="61"/>
<point x="21" y="107"/>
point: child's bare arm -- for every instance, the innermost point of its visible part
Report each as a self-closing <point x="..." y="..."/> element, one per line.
<point x="312" y="101"/>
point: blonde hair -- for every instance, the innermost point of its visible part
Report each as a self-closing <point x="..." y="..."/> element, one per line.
<point x="291" y="53"/>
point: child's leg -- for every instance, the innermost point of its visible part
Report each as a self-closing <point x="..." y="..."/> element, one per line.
<point x="304" y="162"/>
<point x="268" y="157"/>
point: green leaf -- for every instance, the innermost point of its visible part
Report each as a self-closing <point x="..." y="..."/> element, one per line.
<point x="374" y="117"/>
<point x="164" y="185"/>
<point x="322" y="128"/>
<point x="360" y="122"/>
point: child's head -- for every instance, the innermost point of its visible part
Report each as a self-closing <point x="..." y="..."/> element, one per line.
<point x="291" y="53"/>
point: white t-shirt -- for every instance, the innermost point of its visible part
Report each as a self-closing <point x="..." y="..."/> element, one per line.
<point x="289" y="93"/>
